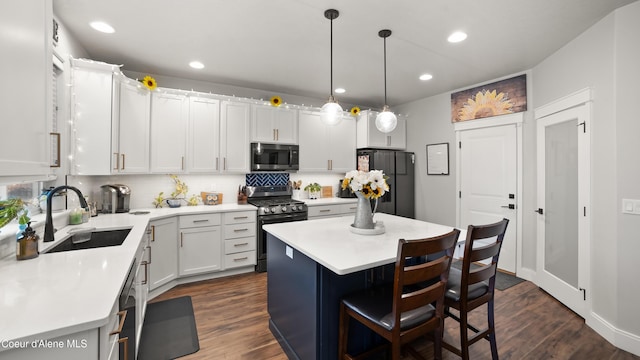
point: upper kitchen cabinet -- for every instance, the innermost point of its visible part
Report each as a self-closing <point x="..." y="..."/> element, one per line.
<point x="235" y="121"/>
<point x="274" y="125"/>
<point x="204" y="135"/>
<point x="370" y="137"/>
<point x="91" y="106"/>
<point x="130" y="125"/>
<point x="327" y="148"/>
<point x="104" y="103"/>
<point x="26" y="88"/>
<point x="169" y="124"/>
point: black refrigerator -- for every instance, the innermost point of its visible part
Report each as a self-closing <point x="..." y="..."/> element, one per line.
<point x="399" y="166"/>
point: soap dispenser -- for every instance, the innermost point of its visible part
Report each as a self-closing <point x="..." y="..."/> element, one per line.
<point x="27" y="244"/>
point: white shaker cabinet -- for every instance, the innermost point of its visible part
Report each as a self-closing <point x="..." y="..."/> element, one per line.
<point x="130" y="125"/>
<point x="327" y="148"/>
<point x="235" y="121"/>
<point x="25" y="89"/>
<point x="370" y="137"/>
<point x="91" y="106"/>
<point x="200" y="244"/>
<point x="204" y="135"/>
<point x="274" y="125"/>
<point x="105" y="102"/>
<point x="163" y="264"/>
<point x="169" y="123"/>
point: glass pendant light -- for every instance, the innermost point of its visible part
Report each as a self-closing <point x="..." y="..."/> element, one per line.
<point x="386" y="121"/>
<point x="331" y="112"/>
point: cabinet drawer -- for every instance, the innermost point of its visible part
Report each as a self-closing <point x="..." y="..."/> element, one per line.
<point x="189" y="221"/>
<point x="245" y="258"/>
<point x="240" y="230"/>
<point x="240" y="217"/>
<point x="348" y="208"/>
<point x="323" y="210"/>
<point x="239" y="245"/>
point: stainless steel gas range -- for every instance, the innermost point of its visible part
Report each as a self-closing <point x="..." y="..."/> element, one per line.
<point x="275" y="206"/>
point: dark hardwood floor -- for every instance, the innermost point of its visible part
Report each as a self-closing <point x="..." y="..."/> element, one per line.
<point x="232" y="321"/>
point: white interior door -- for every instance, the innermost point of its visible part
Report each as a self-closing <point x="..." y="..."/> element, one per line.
<point x="563" y="195"/>
<point x="488" y="183"/>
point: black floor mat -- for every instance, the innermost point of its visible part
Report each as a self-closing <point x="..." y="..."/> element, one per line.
<point x="169" y="330"/>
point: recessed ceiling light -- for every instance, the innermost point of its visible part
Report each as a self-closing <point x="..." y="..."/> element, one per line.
<point x="425" y="77"/>
<point x="340" y="91"/>
<point x="102" y="27"/>
<point x="196" y="65"/>
<point x="457" y="37"/>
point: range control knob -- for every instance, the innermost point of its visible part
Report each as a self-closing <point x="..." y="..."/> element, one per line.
<point x="294" y="207"/>
<point x="265" y="210"/>
<point x="274" y="209"/>
<point x="284" y="208"/>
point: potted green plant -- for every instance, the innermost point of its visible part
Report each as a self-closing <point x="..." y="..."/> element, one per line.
<point x="11" y="209"/>
<point x="314" y="190"/>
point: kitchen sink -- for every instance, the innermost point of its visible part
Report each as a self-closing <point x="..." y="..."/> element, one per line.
<point x="98" y="239"/>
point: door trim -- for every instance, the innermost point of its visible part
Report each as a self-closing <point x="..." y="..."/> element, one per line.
<point x="516" y="119"/>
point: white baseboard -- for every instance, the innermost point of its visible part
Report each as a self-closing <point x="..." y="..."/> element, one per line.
<point x="527" y="274"/>
<point x="617" y="337"/>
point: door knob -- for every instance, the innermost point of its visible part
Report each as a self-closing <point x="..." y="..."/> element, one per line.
<point x="539" y="211"/>
<point x="510" y="206"/>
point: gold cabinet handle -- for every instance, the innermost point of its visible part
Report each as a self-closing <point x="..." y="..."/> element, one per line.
<point x="217" y="161"/>
<point x="123" y="317"/>
<point x="240" y="217"/>
<point x="181" y="238"/>
<point x="125" y="343"/>
<point x="242" y="244"/>
<point x="240" y="230"/>
<point x="240" y="259"/>
<point x="153" y="233"/>
<point x="182" y="163"/>
<point x="225" y="164"/>
<point x="146" y="272"/>
<point x="117" y="155"/>
<point x="122" y="162"/>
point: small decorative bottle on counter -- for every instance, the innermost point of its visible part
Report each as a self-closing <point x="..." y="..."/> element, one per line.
<point x="27" y="243"/>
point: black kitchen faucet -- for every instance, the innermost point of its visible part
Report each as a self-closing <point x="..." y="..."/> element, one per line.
<point x="48" y="226"/>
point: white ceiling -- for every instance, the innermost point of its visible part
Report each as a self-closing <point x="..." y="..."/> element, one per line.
<point x="283" y="45"/>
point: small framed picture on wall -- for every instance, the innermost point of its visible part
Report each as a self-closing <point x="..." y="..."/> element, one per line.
<point x="438" y="159"/>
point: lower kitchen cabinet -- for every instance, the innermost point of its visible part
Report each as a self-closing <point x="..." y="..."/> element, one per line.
<point x="200" y="244"/>
<point x="332" y="210"/>
<point x="163" y="254"/>
<point x="240" y="239"/>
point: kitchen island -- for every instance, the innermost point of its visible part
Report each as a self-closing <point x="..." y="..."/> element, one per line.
<point x="312" y="264"/>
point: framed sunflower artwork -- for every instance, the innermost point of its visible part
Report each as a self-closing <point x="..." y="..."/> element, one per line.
<point x="499" y="98"/>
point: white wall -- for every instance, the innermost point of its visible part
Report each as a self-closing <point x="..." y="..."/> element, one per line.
<point x="627" y="77"/>
<point x="429" y="122"/>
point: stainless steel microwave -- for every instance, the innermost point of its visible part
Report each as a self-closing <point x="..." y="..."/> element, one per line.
<point x="274" y="157"/>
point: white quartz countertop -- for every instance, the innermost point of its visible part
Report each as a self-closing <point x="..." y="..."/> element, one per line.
<point x="65" y="292"/>
<point x="330" y="243"/>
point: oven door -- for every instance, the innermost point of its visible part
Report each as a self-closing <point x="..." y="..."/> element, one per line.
<point x="262" y="235"/>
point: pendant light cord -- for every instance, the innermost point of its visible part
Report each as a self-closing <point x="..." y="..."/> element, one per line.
<point x="331" y="62"/>
<point x="385" y="70"/>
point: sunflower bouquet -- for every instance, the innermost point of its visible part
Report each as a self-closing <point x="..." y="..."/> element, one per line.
<point x="372" y="184"/>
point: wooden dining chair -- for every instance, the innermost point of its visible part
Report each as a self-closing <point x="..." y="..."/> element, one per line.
<point x="473" y="285"/>
<point x="404" y="311"/>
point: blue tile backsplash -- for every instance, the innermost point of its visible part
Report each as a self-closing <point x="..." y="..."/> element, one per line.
<point x="267" y="179"/>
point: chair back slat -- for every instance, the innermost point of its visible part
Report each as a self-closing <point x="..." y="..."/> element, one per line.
<point x="423" y="272"/>
<point x="481" y="274"/>
<point x="428" y="295"/>
<point x="485" y="252"/>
